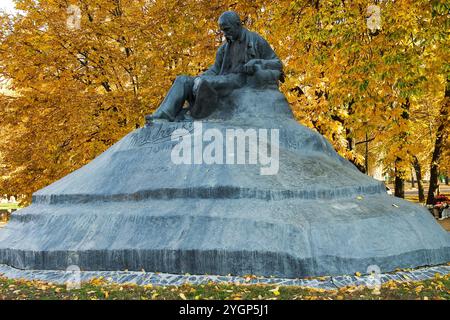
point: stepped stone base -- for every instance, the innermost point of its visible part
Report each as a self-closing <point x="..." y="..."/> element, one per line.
<point x="133" y="208"/>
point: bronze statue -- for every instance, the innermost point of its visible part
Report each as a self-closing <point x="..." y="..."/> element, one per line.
<point x="244" y="59"/>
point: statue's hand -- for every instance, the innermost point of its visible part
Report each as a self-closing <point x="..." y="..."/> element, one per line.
<point x="250" y="67"/>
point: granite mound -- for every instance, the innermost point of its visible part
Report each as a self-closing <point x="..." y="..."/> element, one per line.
<point x="133" y="208"/>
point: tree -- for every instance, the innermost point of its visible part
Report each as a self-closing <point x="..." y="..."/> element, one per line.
<point x="86" y="74"/>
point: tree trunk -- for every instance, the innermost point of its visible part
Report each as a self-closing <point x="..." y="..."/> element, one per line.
<point x="401" y="174"/>
<point x="351" y="146"/>
<point x="434" y="182"/>
<point x="399" y="187"/>
<point x="439" y="146"/>
<point x="418" y="170"/>
<point x="399" y="183"/>
<point x="412" y="179"/>
<point x="366" y="156"/>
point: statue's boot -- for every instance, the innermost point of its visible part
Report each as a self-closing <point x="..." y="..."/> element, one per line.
<point x="172" y="104"/>
<point x="205" y="101"/>
<point x="156" y="116"/>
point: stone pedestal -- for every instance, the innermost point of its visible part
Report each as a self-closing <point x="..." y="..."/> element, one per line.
<point x="133" y="208"/>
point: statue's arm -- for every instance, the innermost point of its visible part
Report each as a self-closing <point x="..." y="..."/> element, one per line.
<point x="215" y="68"/>
<point x="272" y="64"/>
<point x="269" y="59"/>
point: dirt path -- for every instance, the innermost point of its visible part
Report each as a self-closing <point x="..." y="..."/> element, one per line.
<point x="445" y="223"/>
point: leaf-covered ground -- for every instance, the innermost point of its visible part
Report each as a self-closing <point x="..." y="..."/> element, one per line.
<point x="437" y="288"/>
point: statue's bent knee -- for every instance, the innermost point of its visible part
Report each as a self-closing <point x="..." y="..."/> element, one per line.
<point x="182" y="79"/>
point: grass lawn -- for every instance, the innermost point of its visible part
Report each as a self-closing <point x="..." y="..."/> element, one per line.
<point x="445" y="224"/>
<point x="5" y="206"/>
<point x="437" y="288"/>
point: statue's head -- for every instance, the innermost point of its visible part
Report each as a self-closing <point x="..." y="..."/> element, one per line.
<point x="230" y="24"/>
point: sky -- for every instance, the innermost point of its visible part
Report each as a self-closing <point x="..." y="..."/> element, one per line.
<point x="7" y="5"/>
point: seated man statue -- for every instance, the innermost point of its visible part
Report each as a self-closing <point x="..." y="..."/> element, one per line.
<point x="244" y="59"/>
